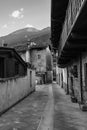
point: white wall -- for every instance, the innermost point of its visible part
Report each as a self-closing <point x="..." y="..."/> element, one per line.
<point x="15" y="89"/>
<point x="65" y="76"/>
<point x="25" y="56"/>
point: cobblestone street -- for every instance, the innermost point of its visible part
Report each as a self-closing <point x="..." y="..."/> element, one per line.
<point x="48" y="108"/>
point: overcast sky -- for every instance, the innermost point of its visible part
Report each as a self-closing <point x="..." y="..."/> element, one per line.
<point x="17" y="14"/>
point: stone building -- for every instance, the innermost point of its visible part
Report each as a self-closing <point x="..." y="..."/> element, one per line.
<point x="41" y="59"/>
<point x="69" y="37"/>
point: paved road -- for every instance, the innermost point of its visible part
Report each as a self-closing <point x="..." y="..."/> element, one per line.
<point x="67" y="115"/>
<point x="46" y="122"/>
<point x="60" y="113"/>
<point x="49" y="108"/>
<point x="27" y="114"/>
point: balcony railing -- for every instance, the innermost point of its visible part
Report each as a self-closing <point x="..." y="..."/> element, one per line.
<point x="72" y="12"/>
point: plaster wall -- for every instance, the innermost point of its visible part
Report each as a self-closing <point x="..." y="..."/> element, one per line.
<point x="13" y="90"/>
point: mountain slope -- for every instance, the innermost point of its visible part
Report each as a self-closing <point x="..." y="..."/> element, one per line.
<point x="24" y="35"/>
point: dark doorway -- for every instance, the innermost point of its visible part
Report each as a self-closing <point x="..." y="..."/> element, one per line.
<point x="71" y="86"/>
<point x="1" y="67"/>
<point x="62" y="80"/>
<point x="30" y="78"/>
<point x="85" y="75"/>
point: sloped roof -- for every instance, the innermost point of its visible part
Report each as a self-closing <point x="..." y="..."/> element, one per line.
<point x="24" y="47"/>
<point x="13" y="53"/>
<point x="39" y="45"/>
<point x="21" y="48"/>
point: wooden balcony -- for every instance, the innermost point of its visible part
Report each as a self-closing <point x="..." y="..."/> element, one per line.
<point x="74" y="33"/>
<point x="58" y="10"/>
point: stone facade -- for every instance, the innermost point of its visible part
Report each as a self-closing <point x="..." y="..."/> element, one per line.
<point x="75" y="78"/>
<point x="38" y="59"/>
<point x="41" y="59"/>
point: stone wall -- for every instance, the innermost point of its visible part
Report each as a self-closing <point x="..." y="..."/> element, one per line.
<point x="74" y="81"/>
<point x="38" y="59"/>
<point x="84" y="80"/>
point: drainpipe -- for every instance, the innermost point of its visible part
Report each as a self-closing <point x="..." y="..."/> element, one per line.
<point x="81" y="78"/>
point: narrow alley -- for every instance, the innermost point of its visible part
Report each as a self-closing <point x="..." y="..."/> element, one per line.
<point x="48" y="108"/>
<point x="43" y="65"/>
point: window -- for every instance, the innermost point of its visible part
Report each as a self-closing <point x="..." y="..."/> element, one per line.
<point x="75" y="70"/>
<point x="39" y="56"/>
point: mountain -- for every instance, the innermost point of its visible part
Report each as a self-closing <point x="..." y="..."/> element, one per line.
<point x="24" y="35"/>
<point x="30" y="29"/>
<point x="42" y="40"/>
<point x="42" y="32"/>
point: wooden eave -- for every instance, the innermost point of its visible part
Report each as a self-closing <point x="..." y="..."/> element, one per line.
<point x="58" y="11"/>
<point x="76" y="41"/>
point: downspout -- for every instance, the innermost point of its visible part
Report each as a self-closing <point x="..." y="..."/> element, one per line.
<point x="81" y="78"/>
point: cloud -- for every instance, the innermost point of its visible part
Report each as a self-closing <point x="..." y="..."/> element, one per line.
<point x="13" y="22"/>
<point x="22" y="9"/>
<point x="29" y="26"/>
<point x="5" y="26"/>
<point x="18" y="14"/>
